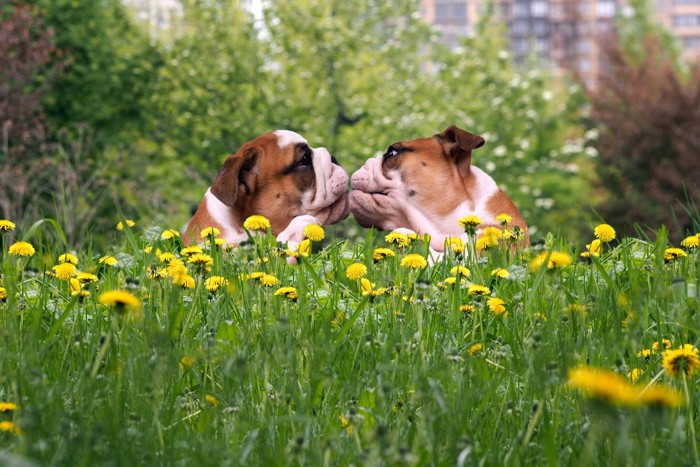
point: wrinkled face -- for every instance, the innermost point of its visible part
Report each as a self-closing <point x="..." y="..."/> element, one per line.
<point x="413" y="176"/>
<point x="279" y="176"/>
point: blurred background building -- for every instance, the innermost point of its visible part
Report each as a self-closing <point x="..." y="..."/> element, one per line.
<point x="564" y="33"/>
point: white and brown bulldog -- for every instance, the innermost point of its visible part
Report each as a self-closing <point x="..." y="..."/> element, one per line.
<point x="428" y="184"/>
<point x="279" y="176"/>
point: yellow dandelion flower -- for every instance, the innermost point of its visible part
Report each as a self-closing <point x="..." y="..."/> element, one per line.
<point x="120" y="300"/>
<point x="460" y="270"/>
<point x="314" y="232"/>
<point x="304" y="248"/>
<point x="356" y="271"/>
<point x="287" y="292"/>
<point x="470" y="221"/>
<point x="129" y="222"/>
<point x="7" y="406"/>
<point x="500" y="273"/>
<point x="166" y="257"/>
<point x="186" y="362"/>
<point x="634" y="374"/>
<point x="665" y="343"/>
<point x="345" y="423"/>
<point x="414" y="261"/>
<point x="603" y="385"/>
<point x="658" y="395"/>
<point x="217" y="242"/>
<point x="504" y="219"/>
<point x="478" y="290"/>
<point x="68" y="258"/>
<point x="268" y="280"/>
<point x="191" y="250"/>
<point x="691" y="242"/>
<point x="86" y="277"/>
<point x="497" y="306"/>
<point x="467" y="308"/>
<point x="21" y="249"/>
<point x="474" y="349"/>
<point x="256" y="275"/>
<point x="209" y="231"/>
<point x="200" y="259"/>
<point x="365" y="286"/>
<point x="213" y="401"/>
<point x="557" y="260"/>
<point x="64" y="271"/>
<point x="399" y="239"/>
<point x="10" y="427"/>
<point x="452" y="281"/>
<point x="575" y="308"/>
<point x="604" y="232"/>
<point x="6" y="226"/>
<point x="157" y="273"/>
<point x="169" y="234"/>
<point x="256" y="223"/>
<point x="184" y="280"/>
<point x="455" y="244"/>
<point x="214" y="282"/>
<point x="674" y="253"/>
<point x="540" y="316"/>
<point x="644" y="353"/>
<point x="684" y="359"/>
<point x="3" y="294"/>
<point x="382" y="253"/>
<point x="108" y="260"/>
<point x="593" y="249"/>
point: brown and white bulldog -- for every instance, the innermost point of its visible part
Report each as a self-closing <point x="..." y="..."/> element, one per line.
<point x="279" y="176"/>
<point x="428" y="184"/>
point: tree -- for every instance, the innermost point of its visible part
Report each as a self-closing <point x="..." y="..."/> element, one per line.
<point x="649" y="115"/>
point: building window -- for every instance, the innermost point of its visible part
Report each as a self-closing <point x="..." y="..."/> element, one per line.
<point x="521" y="9"/>
<point x="540" y="27"/>
<point x="539" y="9"/>
<point x="686" y="20"/>
<point x="691" y="42"/>
<point x="583" y="46"/>
<point x="584" y="64"/>
<point x="687" y="2"/>
<point x="520" y="27"/>
<point x="605" y="9"/>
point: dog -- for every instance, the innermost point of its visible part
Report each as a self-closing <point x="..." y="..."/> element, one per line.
<point x="426" y="185"/>
<point x="278" y="176"/>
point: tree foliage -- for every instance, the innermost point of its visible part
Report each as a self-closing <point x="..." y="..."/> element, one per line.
<point x="650" y="139"/>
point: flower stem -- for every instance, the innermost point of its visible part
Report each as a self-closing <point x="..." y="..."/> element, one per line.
<point x="691" y="420"/>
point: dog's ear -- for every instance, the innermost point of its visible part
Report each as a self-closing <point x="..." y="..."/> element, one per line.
<point x="237" y="177"/>
<point x="459" y="145"/>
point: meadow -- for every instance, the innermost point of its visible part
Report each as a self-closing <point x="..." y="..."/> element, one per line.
<point x="365" y="352"/>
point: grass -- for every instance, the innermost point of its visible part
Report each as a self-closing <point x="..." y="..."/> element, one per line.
<point x="244" y="376"/>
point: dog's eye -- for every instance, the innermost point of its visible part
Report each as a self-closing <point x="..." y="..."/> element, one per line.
<point x="391" y="152"/>
<point x="306" y="159"/>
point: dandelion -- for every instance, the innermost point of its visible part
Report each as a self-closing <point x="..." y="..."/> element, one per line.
<point x="684" y="359"/>
<point x="68" y="258"/>
<point x="169" y="234"/>
<point x="500" y="273"/>
<point x="9" y="427"/>
<point x="557" y="260"/>
<point x="478" y="290"/>
<point x="108" y="260"/>
<point x="3" y="294"/>
<point x="644" y="353"/>
<point x="217" y="242"/>
<point x="593" y="249"/>
<point x="213" y="401"/>
<point x="256" y="223"/>
<point x="658" y="395"/>
<point x="504" y="219"/>
<point x="176" y="267"/>
<point x="635" y="374"/>
<point x="191" y="250"/>
<point x="455" y="244"/>
<point x="7" y="406"/>
<point x="184" y="280"/>
<point x="6" y="226"/>
<point x="382" y="253"/>
<point x="345" y="423"/>
<point x="268" y="280"/>
<point x="314" y="232"/>
<point x="21" y="249"/>
<point x="157" y="273"/>
<point x="603" y="385"/>
<point x="356" y="271"/>
<point x="474" y="349"/>
<point x="287" y="292"/>
<point x="691" y="242"/>
<point x="365" y="286"/>
<point x="604" y="232"/>
<point x="665" y="343"/>
<point x="214" y="282"/>
<point x="305" y="247"/>
<point x="86" y="278"/>
<point x="208" y="232"/>
<point x="414" y="261"/>
<point x="674" y="253"/>
<point x="200" y="259"/>
<point x="399" y="239"/>
<point x="451" y="281"/>
<point x="467" y="309"/>
<point x="129" y="223"/>
<point x="460" y="270"/>
<point x="470" y="223"/>
<point x="575" y="308"/>
<point x="496" y="305"/>
<point x="186" y="362"/>
<point x="64" y="271"/>
<point x="120" y="300"/>
<point x="540" y="317"/>
<point x="166" y="257"/>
